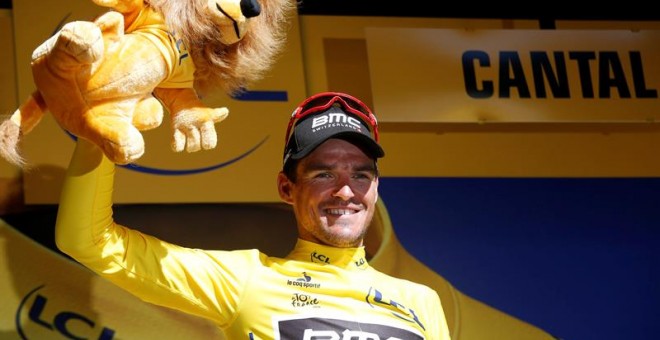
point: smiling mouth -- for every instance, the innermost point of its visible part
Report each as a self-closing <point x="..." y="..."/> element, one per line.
<point x="340" y="211"/>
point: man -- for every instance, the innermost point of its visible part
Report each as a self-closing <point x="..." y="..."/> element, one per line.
<point x="324" y="288"/>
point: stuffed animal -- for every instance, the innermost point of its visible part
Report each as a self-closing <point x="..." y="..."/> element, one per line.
<point x="108" y="80"/>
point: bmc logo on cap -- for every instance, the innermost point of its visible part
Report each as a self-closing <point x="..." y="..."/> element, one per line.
<point x="336" y="118"/>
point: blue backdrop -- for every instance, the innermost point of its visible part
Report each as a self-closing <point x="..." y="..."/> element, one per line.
<point x="576" y="257"/>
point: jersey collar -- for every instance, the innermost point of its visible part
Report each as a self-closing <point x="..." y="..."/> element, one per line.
<point x="347" y="258"/>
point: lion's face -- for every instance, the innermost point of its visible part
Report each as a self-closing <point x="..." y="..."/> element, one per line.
<point x="232" y="42"/>
<point x="231" y="17"/>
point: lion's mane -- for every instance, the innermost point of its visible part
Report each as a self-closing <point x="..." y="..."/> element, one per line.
<point x="228" y="67"/>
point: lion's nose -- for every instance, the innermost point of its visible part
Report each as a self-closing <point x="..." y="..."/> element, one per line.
<point x="250" y="8"/>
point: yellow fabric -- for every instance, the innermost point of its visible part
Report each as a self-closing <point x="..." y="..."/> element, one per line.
<point x="246" y="293"/>
<point x="180" y="68"/>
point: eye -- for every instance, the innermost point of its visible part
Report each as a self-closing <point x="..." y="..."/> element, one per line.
<point x="364" y="176"/>
<point x="323" y="175"/>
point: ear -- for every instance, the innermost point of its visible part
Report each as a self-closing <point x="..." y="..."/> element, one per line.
<point x="285" y="188"/>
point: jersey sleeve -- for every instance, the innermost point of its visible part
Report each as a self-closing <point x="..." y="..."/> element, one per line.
<point x="206" y="284"/>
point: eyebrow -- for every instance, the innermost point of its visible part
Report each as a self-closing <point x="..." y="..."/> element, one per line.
<point x="320" y="165"/>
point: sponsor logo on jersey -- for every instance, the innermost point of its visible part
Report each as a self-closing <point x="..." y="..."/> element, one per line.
<point x="375" y="299"/>
<point x="315" y="328"/>
<point x="305" y="281"/>
<point x="303" y="300"/>
<point x="319" y="258"/>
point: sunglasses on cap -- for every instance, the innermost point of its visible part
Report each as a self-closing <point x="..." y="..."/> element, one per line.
<point x="323" y="101"/>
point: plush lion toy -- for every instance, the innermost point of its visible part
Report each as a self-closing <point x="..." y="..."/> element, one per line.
<point x="109" y="79"/>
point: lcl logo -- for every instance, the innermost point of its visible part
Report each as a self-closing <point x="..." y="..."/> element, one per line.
<point x="316" y="257"/>
<point x="62" y="322"/>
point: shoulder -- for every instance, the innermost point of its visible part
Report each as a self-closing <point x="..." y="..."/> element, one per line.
<point x="240" y="256"/>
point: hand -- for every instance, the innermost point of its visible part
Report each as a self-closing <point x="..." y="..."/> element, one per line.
<point x="194" y="129"/>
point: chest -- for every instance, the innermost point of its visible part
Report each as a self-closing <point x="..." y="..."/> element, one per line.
<point x="308" y="304"/>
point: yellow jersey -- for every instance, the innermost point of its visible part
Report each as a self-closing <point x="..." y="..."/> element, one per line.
<point x="315" y="292"/>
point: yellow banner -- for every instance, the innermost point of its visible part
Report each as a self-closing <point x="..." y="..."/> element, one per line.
<point x="350" y="54"/>
<point x="491" y="75"/>
<point x="47" y="296"/>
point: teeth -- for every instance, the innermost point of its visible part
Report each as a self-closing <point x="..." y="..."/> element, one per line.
<point x="340" y="211"/>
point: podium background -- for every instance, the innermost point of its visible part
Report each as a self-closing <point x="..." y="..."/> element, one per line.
<point x="556" y="223"/>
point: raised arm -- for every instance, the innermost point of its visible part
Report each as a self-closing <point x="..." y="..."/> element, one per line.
<point x="152" y="269"/>
<point x="85" y="207"/>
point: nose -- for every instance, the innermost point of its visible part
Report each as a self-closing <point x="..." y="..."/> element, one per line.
<point x="345" y="192"/>
<point x="250" y="8"/>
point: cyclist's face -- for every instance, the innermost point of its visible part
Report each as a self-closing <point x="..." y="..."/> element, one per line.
<point x="335" y="194"/>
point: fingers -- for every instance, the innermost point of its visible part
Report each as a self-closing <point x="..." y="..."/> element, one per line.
<point x="209" y="136"/>
<point x="219" y="114"/>
<point x="193" y="141"/>
<point x="178" y="140"/>
<point x="186" y="138"/>
<point x="195" y="130"/>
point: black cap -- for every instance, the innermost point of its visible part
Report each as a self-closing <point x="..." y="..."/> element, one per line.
<point x="336" y="121"/>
